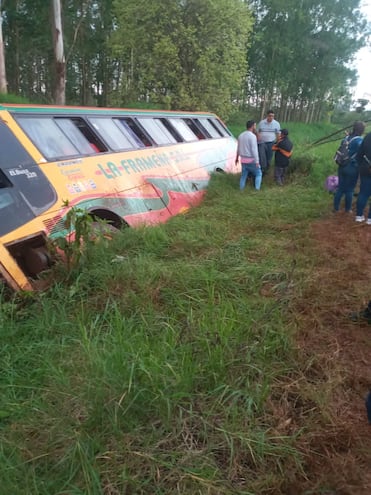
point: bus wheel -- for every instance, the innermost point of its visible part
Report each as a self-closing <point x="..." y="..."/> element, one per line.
<point x="37" y="260"/>
<point x="102" y="229"/>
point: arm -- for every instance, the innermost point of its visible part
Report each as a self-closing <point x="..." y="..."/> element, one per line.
<point x="283" y="146"/>
<point x="237" y="153"/>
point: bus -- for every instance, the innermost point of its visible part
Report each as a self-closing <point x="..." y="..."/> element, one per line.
<point x="126" y="167"/>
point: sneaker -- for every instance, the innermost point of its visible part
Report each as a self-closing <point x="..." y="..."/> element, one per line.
<point x="368" y="221"/>
<point x="360" y="218"/>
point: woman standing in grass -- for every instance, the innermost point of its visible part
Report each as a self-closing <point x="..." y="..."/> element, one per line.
<point x="348" y="174"/>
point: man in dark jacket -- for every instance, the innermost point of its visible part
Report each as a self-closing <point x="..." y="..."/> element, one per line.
<point x="283" y="151"/>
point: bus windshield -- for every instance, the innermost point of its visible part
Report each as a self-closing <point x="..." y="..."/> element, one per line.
<point x="24" y="190"/>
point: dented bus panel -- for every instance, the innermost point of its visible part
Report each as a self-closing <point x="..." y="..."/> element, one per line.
<point x="127" y="167"/>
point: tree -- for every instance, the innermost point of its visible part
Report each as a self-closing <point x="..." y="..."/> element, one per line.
<point x="3" y="83"/>
<point x="186" y="54"/>
<point x="60" y="63"/>
<point x="301" y="53"/>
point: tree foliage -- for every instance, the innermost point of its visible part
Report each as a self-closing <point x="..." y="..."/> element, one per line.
<point x="300" y="57"/>
<point x="293" y="55"/>
<point x="186" y="54"/>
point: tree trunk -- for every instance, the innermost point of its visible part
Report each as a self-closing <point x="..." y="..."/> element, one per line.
<point x="60" y="62"/>
<point x="3" y="84"/>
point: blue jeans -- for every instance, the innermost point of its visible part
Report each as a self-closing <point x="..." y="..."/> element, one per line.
<point x="247" y="169"/>
<point x="364" y="194"/>
<point x="348" y="177"/>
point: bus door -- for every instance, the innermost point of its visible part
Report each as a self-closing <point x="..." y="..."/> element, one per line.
<point x="25" y="192"/>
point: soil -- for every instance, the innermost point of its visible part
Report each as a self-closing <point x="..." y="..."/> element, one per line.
<point x="336" y="362"/>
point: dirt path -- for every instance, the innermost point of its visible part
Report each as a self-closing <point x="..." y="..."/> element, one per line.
<point x="337" y="357"/>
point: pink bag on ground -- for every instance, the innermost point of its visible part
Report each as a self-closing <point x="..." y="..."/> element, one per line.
<point x="331" y="183"/>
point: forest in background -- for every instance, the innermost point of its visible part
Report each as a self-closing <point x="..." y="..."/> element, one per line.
<point x="217" y="55"/>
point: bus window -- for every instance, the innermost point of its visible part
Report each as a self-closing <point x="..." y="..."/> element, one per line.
<point x="77" y="138"/>
<point x="129" y="133"/>
<point x="183" y="129"/>
<point x="218" y="125"/>
<point x="157" y="130"/>
<point x="47" y="137"/>
<point x="136" y="129"/>
<point x="214" y="133"/>
<point x="196" y="129"/>
<point x="112" y="134"/>
<point x="96" y="144"/>
<point x="165" y="122"/>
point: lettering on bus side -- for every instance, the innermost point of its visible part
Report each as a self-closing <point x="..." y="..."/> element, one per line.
<point x="139" y="165"/>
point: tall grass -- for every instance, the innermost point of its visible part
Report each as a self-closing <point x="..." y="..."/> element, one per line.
<point x="151" y="372"/>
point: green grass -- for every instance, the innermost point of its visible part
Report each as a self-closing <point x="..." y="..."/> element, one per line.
<point x="152" y="371"/>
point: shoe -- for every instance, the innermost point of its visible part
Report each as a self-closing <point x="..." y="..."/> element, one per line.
<point x="364" y="315"/>
<point x="360" y="218"/>
<point x="368" y="221"/>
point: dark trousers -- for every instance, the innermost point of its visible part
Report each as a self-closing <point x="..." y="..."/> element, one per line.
<point x="265" y="155"/>
<point x="279" y="174"/>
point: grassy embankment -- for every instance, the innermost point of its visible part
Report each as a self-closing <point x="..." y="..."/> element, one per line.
<point x="156" y="369"/>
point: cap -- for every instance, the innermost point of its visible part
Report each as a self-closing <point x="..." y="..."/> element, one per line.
<point x="285" y="132"/>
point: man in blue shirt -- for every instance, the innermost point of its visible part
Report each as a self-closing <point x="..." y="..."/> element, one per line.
<point x="268" y="132"/>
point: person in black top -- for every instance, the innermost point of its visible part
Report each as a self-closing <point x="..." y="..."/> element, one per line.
<point x="364" y="161"/>
<point x="283" y="151"/>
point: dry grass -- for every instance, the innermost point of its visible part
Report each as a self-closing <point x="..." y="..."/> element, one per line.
<point x="336" y="363"/>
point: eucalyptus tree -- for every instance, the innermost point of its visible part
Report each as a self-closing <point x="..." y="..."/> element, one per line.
<point x="3" y="83"/>
<point x="182" y="53"/>
<point x="29" y="48"/>
<point x="301" y="53"/>
<point x="60" y="62"/>
<point x="91" y="69"/>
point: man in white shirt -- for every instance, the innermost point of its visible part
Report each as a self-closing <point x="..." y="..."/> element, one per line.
<point x="268" y="132"/>
<point x="247" y="151"/>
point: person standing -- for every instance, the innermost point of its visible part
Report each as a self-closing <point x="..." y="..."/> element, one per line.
<point x="364" y="161"/>
<point x="283" y="151"/>
<point x="247" y="151"/>
<point x="268" y="133"/>
<point x="348" y="174"/>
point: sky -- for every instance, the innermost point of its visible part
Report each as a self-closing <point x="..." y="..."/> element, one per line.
<point x="363" y="63"/>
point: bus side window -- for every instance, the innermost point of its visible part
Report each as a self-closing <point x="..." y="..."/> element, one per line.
<point x="137" y="130"/>
<point x="96" y="144"/>
<point x="156" y="129"/>
<point x="47" y="136"/>
<point x="220" y="127"/>
<point x="171" y="129"/>
<point x="192" y="124"/>
<point x="211" y="130"/>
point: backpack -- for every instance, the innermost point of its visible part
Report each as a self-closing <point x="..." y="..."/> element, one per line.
<point x="342" y="156"/>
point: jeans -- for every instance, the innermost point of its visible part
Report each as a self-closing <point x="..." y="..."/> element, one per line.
<point x="364" y="194"/>
<point x="247" y="169"/>
<point x="265" y="155"/>
<point x="348" y="177"/>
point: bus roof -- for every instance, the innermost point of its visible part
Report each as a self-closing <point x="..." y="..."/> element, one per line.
<point x="53" y="109"/>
